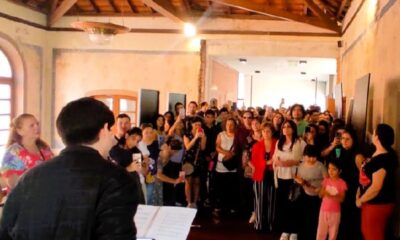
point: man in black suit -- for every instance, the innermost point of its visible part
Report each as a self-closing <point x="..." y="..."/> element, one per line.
<point x="78" y="194"/>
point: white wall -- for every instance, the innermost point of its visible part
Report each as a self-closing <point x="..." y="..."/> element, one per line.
<point x="270" y="89"/>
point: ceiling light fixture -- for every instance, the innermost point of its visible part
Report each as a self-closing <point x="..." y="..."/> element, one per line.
<point x="302" y="62"/>
<point x="100" y="33"/>
<point x="243" y="60"/>
<point x="257" y="71"/>
<point x="303" y="73"/>
<point x="189" y="30"/>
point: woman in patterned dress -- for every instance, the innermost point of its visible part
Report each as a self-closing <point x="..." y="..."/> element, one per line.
<point x="25" y="149"/>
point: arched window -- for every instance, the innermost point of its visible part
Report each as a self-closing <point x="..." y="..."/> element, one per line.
<point x="6" y="99"/>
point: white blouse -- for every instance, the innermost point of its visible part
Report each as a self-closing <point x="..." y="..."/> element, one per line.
<point x="286" y="154"/>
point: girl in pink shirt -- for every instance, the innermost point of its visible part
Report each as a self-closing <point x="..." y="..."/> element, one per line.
<point x="332" y="192"/>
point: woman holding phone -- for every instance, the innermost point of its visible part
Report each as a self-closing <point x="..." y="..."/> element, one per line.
<point x="195" y="143"/>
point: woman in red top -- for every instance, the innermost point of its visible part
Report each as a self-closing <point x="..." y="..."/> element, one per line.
<point x="263" y="177"/>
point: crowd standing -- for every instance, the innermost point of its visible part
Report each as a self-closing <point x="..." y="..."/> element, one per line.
<point x="290" y="170"/>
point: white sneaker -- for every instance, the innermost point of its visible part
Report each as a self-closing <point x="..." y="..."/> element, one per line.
<point x="284" y="236"/>
<point x="293" y="236"/>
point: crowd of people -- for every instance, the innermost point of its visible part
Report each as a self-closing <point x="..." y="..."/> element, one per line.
<point x="294" y="171"/>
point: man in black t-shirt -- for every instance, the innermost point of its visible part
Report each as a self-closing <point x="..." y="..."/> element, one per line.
<point x="123" y="156"/>
<point x="123" y="125"/>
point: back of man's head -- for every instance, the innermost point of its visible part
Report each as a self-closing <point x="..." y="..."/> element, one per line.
<point x="80" y="121"/>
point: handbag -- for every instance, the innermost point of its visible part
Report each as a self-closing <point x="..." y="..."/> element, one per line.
<point x="248" y="171"/>
<point x="295" y="190"/>
<point x="233" y="162"/>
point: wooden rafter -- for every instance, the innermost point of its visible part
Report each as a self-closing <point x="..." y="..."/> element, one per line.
<point x="59" y="11"/>
<point x="324" y="18"/>
<point x="133" y="8"/>
<point x="188" y="9"/>
<point x="53" y="5"/>
<point x="165" y="8"/>
<point x="114" y="6"/>
<point x="274" y="12"/>
<point x="341" y="8"/>
<point x="286" y="4"/>
<point x="326" y="8"/>
<point x="94" y="4"/>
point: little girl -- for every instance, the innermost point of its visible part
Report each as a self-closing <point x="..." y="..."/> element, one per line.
<point x="332" y="194"/>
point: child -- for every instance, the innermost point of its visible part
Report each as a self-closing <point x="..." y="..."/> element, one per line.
<point x="310" y="175"/>
<point x="332" y="194"/>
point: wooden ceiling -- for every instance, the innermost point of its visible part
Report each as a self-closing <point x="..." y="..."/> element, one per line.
<point x="321" y="13"/>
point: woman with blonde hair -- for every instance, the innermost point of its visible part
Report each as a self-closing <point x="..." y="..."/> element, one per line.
<point x="25" y="149"/>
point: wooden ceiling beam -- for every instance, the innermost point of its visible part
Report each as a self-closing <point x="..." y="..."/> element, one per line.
<point x="326" y="8"/>
<point x="133" y="8"/>
<point x="58" y="12"/>
<point x="341" y="8"/>
<point x="94" y="5"/>
<point x="53" y="5"/>
<point x="274" y="12"/>
<point x="165" y="8"/>
<point x="321" y="14"/>
<point x="188" y="8"/>
<point x="114" y="6"/>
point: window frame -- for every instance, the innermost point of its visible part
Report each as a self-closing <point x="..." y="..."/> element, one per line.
<point x="116" y="105"/>
<point x="9" y="81"/>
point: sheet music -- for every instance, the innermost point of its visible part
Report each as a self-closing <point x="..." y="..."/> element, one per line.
<point x="144" y="216"/>
<point x="170" y="223"/>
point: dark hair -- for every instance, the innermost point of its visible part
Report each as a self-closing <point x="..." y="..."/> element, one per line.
<point x="385" y="135"/>
<point x="301" y="108"/>
<point x="224" y="109"/>
<point x="123" y="115"/>
<point x="311" y="151"/>
<point x="203" y="104"/>
<point x="155" y="122"/>
<point x="247" y="111"/>
<point x="172" y="120"/>
<point x="209" y="112"/>
<point x="176" y="106"/>
<point x="349" y="130"/>
<point x="193" y="102"/>
<point x="146" y="125"/>
<point x="336" y="163"/>
<point x="282" y="138"/>
<point x="80" y="121"/>
<point x="134" y="131"/>
<point x="229" y="119"/>
<point x="311" y="125"/>
<point x="174" y="143"/>
<point x="196" y="119"/>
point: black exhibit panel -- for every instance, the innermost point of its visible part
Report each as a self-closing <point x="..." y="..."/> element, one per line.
<point x="149" y="105"/>
<point x="173" y="98"/>
<point x="360" y="108"/>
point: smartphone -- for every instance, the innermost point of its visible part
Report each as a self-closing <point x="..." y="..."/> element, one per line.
<point x="338" y="135"/>
<point x="137" y="157"/>
<point x="182" y="113"/>
<point x="200" y="130"/>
